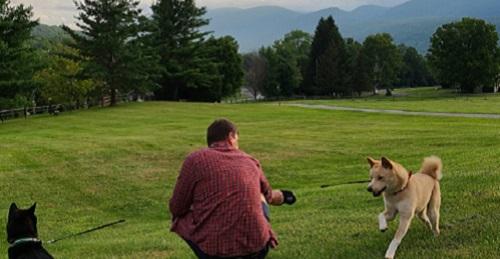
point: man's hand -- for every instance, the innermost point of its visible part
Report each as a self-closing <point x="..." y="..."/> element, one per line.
<point x="281" y="197"/>
<point x="289" y="197"/>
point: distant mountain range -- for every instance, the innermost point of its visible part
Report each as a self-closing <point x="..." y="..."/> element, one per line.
<point x="411" y="23"/>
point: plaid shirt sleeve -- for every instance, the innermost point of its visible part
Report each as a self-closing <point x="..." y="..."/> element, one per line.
<point x="181" y="200"/>
<point x="265" y="187"/>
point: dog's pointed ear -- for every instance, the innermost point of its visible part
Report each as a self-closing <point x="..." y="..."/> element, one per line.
<point x="12" y="210"/>
<point x="371" y="161"/>
<point x="32" y="209"/>
<point x="386" y="163"/>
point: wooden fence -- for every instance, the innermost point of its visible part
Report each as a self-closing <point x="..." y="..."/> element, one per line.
<point x="56" y="108"/>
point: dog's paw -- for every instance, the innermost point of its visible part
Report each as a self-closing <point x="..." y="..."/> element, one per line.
<point x="383" y="230"/>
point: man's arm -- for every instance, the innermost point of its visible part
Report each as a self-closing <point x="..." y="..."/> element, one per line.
<point x="276" y="197"/>
<point x="181" y="200"/>
<point x="272" y="197"/>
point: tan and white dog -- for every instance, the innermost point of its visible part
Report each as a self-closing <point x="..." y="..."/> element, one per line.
<point x="406" y="194"/>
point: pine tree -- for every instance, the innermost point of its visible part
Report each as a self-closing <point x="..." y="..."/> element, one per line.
<point x="355" y="69"/>
<point x="324" y="74"/>
<point x="109" y="39"/>
<point x="271" y="84"/>
<point x="179" y="42"/>
<point x="361" y="80"/>
<point x="16" y="57"/>
<point x="229" y="66"/>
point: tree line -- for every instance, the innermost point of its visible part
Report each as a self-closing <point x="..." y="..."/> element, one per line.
<point x="463" y="55"/>
<point x="115" y="50"/>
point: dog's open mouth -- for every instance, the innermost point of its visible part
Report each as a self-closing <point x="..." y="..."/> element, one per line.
<point x="376" y="194"/>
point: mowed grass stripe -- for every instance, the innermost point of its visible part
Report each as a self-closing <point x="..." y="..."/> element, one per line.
<point x="91" y="167"/>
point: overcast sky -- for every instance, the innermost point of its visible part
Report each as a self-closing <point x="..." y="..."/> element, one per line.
<point x="56" y="12"/>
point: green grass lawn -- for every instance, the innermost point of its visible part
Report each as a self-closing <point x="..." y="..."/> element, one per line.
<point x="92" y="167"/>
<point x="427" y="99"/>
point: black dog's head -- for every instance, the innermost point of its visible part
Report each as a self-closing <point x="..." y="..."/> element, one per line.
<point x="21" y="223"/>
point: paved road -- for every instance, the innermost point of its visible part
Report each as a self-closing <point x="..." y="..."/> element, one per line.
<point x="398" y="112"/>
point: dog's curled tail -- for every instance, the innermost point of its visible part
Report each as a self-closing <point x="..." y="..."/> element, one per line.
<point x="432" y="167"/>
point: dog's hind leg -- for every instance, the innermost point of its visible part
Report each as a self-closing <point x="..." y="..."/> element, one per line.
<point x="424" y="217"/>
<point x="433" y="209"/>
<point x="404" y="224"/>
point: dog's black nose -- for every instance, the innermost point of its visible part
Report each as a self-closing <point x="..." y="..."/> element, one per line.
<point x="369" y="189"/>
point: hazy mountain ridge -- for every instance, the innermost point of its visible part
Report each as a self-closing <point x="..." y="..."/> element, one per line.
<point x="412" y="23"/>
<point x="50" y="32"/>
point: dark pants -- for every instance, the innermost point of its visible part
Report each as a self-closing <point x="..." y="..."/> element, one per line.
<point x="201" y="255"/>
<point x="259" y="255"/>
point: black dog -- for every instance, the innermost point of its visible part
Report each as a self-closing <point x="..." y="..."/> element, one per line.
<point x="22" y="235"/>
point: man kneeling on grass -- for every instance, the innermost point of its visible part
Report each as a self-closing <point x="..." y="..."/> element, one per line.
<point x="219" y="206"/>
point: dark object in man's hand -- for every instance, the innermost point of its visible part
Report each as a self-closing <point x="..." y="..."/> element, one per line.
<point x="289" y="197"/>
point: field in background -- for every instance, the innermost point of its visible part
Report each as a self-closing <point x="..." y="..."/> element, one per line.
<point x="91" y="167"/>
<point x="426" y="99"/>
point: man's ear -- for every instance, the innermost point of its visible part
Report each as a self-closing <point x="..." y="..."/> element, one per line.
<point x="32" y="209"/>
<point x="371" y="161"/>
<point x="386" y="163"/>
<point x="12" y="210"/>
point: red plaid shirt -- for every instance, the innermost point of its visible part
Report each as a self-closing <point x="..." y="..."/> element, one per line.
<point x="217" y="202"/>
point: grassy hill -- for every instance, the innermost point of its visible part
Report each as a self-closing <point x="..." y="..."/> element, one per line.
<point x="91" y="167"/>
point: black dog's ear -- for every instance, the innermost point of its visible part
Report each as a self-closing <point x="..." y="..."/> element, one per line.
<point x="32" y="209"/>
<point x="12" y="210"/>
<point x="386" y="163"/>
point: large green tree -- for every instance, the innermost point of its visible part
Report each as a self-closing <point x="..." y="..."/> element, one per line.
<point x="59" y="81"/>
<point x="297" y="46"/>
<point x="109" y="41"/>
<point x="384" y="60"/>
<point x="16" y="57"/>
<point x="177" y="35"/>
<point x="286" y="60"/>
<point x="325" y="74"/>
<point x="465" y="54"/>
<point x="271" y="86"/>
<point x="356" y="69"/>
<point x="222" y="69"/>
<point x="414" y="69"/>
<point x="361" y="75"/>
<point x="229" y="66"/>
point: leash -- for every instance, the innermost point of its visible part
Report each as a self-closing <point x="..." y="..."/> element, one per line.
<point x="346" y="183"/>
<point x="86" y="231"/>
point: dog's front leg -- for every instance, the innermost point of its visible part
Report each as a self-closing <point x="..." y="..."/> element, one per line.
<point x="387" y="215"/>
<point x="382" y="222"/>
<point x="404" y="224"/>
